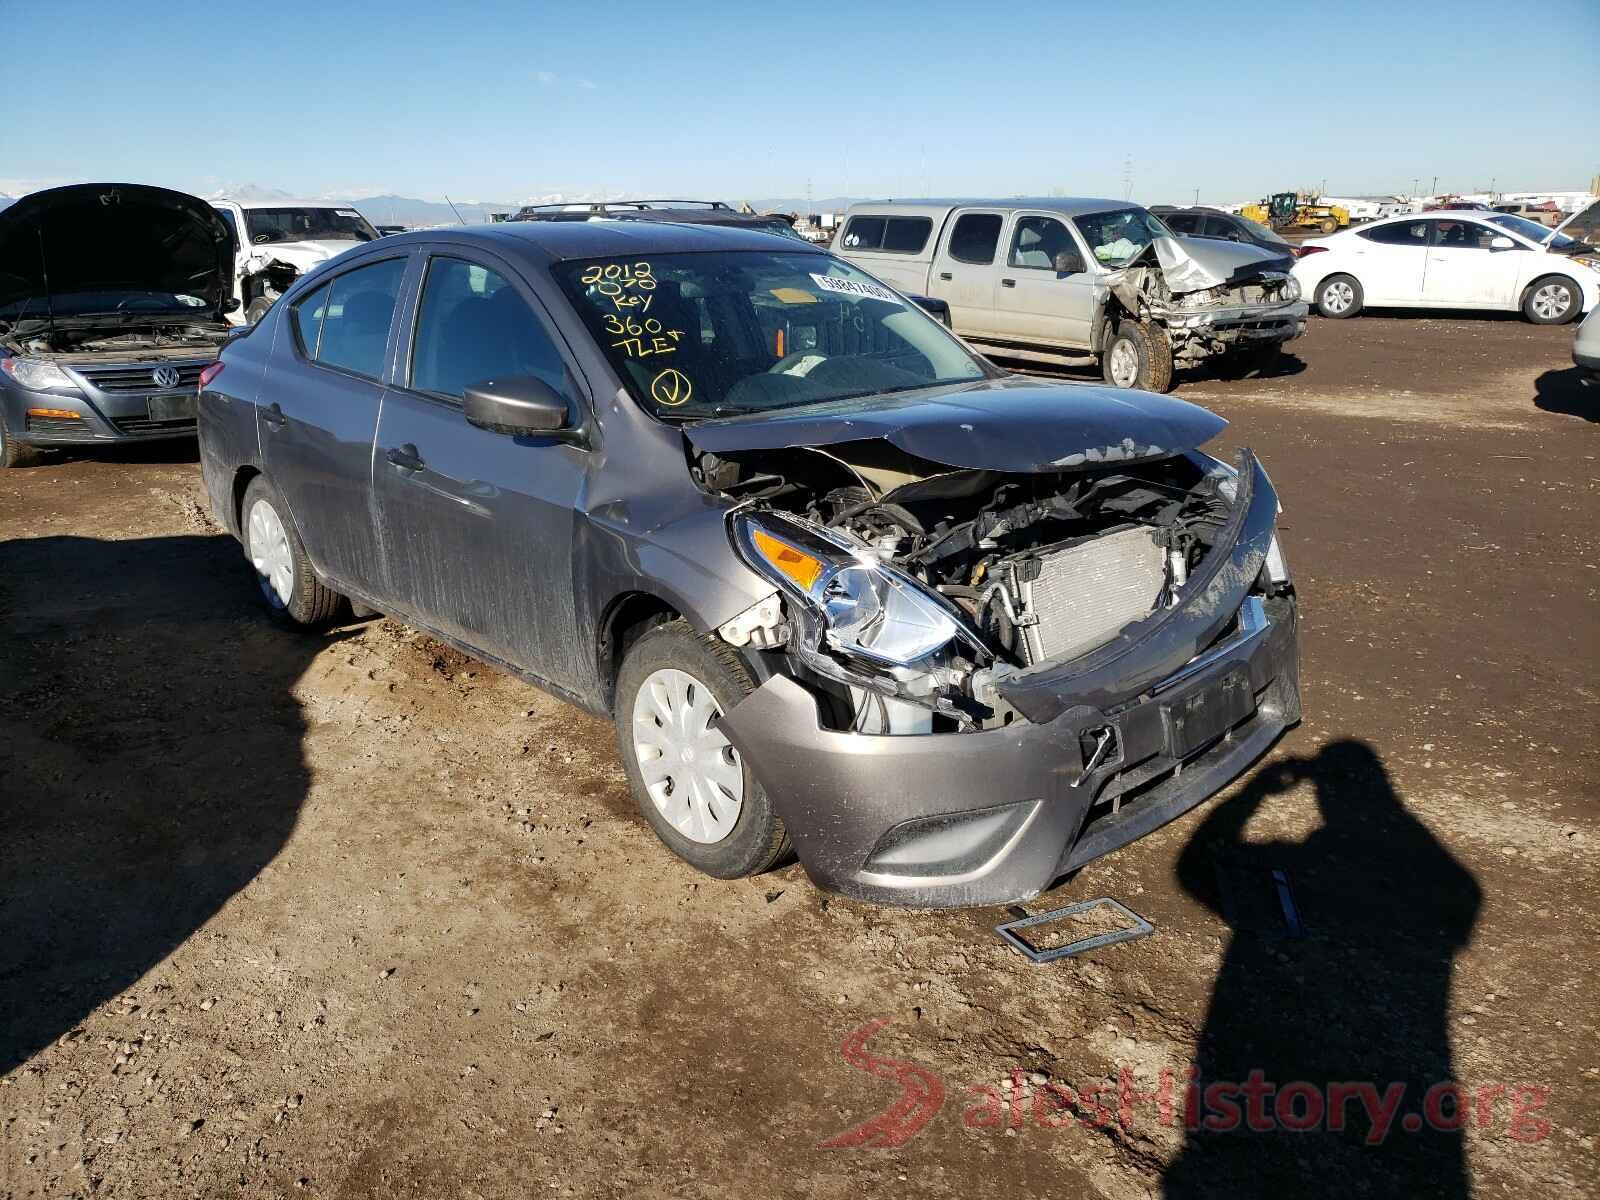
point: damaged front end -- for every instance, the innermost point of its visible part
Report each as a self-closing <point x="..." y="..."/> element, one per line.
<point x="978" y="679"/>
<point x="1212" y="298"/>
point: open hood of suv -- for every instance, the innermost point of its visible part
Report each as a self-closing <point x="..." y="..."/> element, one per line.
<point x="112" y="237"/>
<point x="1000" y="425"/>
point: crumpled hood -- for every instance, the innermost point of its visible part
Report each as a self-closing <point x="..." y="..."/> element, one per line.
<point x="1193" y="264"/>
<point x="301" y="255"/>
<point x="1010" y="424"/>
<point x="107" y="237"/>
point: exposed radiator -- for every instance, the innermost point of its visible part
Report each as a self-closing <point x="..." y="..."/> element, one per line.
<point x="1083" y="595"/>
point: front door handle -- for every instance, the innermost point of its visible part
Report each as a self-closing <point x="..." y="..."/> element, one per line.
<point x="272" y="416"/>
<point x="1008" y="283"/>
<point x="946" y="276"/>
<point x="405" y="457"/>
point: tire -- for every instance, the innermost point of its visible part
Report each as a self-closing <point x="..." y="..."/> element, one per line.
<point x="256" y="309"/>
<point x="1339" y="296"/>
<point x="747" y="836"/>
<point x="288" y="585"/>
<point x="1328" y="225"/>
<point x="1141" y="351"/>
<point x="1542" y="302"/>
<point x="12" y="452"/>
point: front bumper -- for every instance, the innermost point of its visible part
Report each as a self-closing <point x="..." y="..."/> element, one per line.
<point x="39" y="418"/>
<point x="994" y="817"/>
<point x="1209" y="331"/>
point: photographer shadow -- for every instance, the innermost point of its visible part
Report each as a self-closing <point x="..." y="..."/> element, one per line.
<point x="1361" y="994"/>
<point x="150" y="764"/>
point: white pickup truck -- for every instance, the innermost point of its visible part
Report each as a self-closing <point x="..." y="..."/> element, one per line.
<point x="1058" y="280"/>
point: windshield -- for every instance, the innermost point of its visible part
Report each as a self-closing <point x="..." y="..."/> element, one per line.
<point x="703" y="335"/>
<point x="1115" y="237"/>
<point x="268" y="225"/>
<point x="1531" y="230"/>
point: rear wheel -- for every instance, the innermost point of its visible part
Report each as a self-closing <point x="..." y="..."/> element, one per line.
<point x="689" y="782"/>
<point x="12" y="452"/>
<point x="1328" y="225"/>
<point x="289" y="586"/>
<point x="1553" y="300"/>
<point x="1139" y="355"/>
<point x="1339" y="296"/>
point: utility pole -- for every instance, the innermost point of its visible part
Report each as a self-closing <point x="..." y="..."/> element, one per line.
<point x="1415" y="184"/>
<point x="1433" y="188"/>
<point x="1197" y="197"/>
<point x="1127" y="178"/>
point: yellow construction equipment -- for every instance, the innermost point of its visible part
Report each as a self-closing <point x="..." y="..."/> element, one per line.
<point x="1292" y="210"/>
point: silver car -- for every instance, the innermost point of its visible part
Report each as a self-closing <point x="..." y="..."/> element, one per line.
<point x="1054" y="279"/>
<point x="845" y="588"/>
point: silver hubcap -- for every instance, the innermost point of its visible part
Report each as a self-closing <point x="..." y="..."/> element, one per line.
<point x="691" y="772"/>
<point x="1124" y="363"/>
<point x="268" y="549"/>
<point x="1552" y="301"/>
<point x="1337" y="297"/>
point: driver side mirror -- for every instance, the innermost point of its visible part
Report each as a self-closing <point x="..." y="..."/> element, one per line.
<point x="522" y="406"/>
<point x="1502" y="242"/>
<point x="1068" y="262"/>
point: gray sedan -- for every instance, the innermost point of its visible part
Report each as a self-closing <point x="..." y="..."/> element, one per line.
<point x="847" y="590"/>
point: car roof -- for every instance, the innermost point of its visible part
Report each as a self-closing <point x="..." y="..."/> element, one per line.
<point x="558" y="241"/>
<point x="1158" y="209"/>
<point x="1068" y="206"/>
<point x="282" y="203"/>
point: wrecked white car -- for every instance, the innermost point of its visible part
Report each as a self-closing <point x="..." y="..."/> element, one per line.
<point x="276" y="242"/>
<point x="1056" y="280"/>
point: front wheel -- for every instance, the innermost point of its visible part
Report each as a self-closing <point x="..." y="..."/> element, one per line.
<point x="689" y="782"/>
<point x="1328" y="225"/>
<point x="1339" y="296"/>
<point x="256" y="310"/>
<point x="12" y="452"/>
<point x="290" y="587"/>
<point x="1139" y="355"/>
<point x="1553" y="300"/>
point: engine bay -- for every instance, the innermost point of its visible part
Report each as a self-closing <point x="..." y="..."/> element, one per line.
<point x="1037" y="567"/>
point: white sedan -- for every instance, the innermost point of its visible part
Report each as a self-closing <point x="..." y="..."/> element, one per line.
<point x="1451" y="259"/>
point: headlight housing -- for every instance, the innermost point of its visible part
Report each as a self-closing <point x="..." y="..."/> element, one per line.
<point x="1589" y="260"/>
<point x="857" y="619"/>
<point x="38" y="374"/>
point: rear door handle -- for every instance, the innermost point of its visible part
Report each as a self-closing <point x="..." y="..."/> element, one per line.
<point x="1008" y="283"/>
<point x="405" y="457"/>
<point x="273" y="416"/>
<point x="945" y="275"/>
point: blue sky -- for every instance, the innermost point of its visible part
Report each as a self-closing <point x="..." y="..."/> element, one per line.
<point x="510" y="101"/>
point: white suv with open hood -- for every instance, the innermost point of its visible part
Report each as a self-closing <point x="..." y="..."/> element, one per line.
<point x="277" y="241"/>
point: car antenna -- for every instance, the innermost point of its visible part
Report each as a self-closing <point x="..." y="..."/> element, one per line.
<point x="454" y="209"/>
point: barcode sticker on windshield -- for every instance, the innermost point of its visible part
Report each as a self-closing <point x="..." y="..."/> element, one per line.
<point x="849" y="287"/>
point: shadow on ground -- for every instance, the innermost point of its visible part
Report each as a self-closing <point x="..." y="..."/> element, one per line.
<point x="150" y="763"/>
<point x="1361" y="996"/>
<point x="1566" y="393"/>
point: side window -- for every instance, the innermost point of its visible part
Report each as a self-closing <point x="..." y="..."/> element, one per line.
<point x="1037" y="241"/>
<point x="233" y="228"/>
<point x="907" y="235"/>
<point x="974" y="238"/>
<point x="474" y="326"/>
<point x="1223" y="229"/>
<point x="1462" y="235"/>
<point x="1184" y="224"/>
<point x="864" y="233"/>
<point x="1401" y="233"/>
<point x="345" y="322"/>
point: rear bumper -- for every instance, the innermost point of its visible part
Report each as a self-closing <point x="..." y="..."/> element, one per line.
<point x="962" y="819"/>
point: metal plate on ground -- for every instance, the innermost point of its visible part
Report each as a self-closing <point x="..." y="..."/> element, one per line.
<point x="1131" y="925"/>
<point x="185" y="406"/>
<point x="1207" y="713"/>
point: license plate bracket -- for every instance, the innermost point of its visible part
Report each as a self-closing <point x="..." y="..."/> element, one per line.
<point x="181" y="407"/>
<point x="1206" y="713"/>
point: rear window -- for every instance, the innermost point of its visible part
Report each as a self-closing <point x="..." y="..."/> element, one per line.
<point x="892" y="235"/>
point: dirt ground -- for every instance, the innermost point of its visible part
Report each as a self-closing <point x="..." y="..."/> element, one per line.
<point x="356" y="916"/>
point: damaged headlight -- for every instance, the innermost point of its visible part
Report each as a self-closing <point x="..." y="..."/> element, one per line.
<point x="860" y="607"/>
<point x="38" y="374"/>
